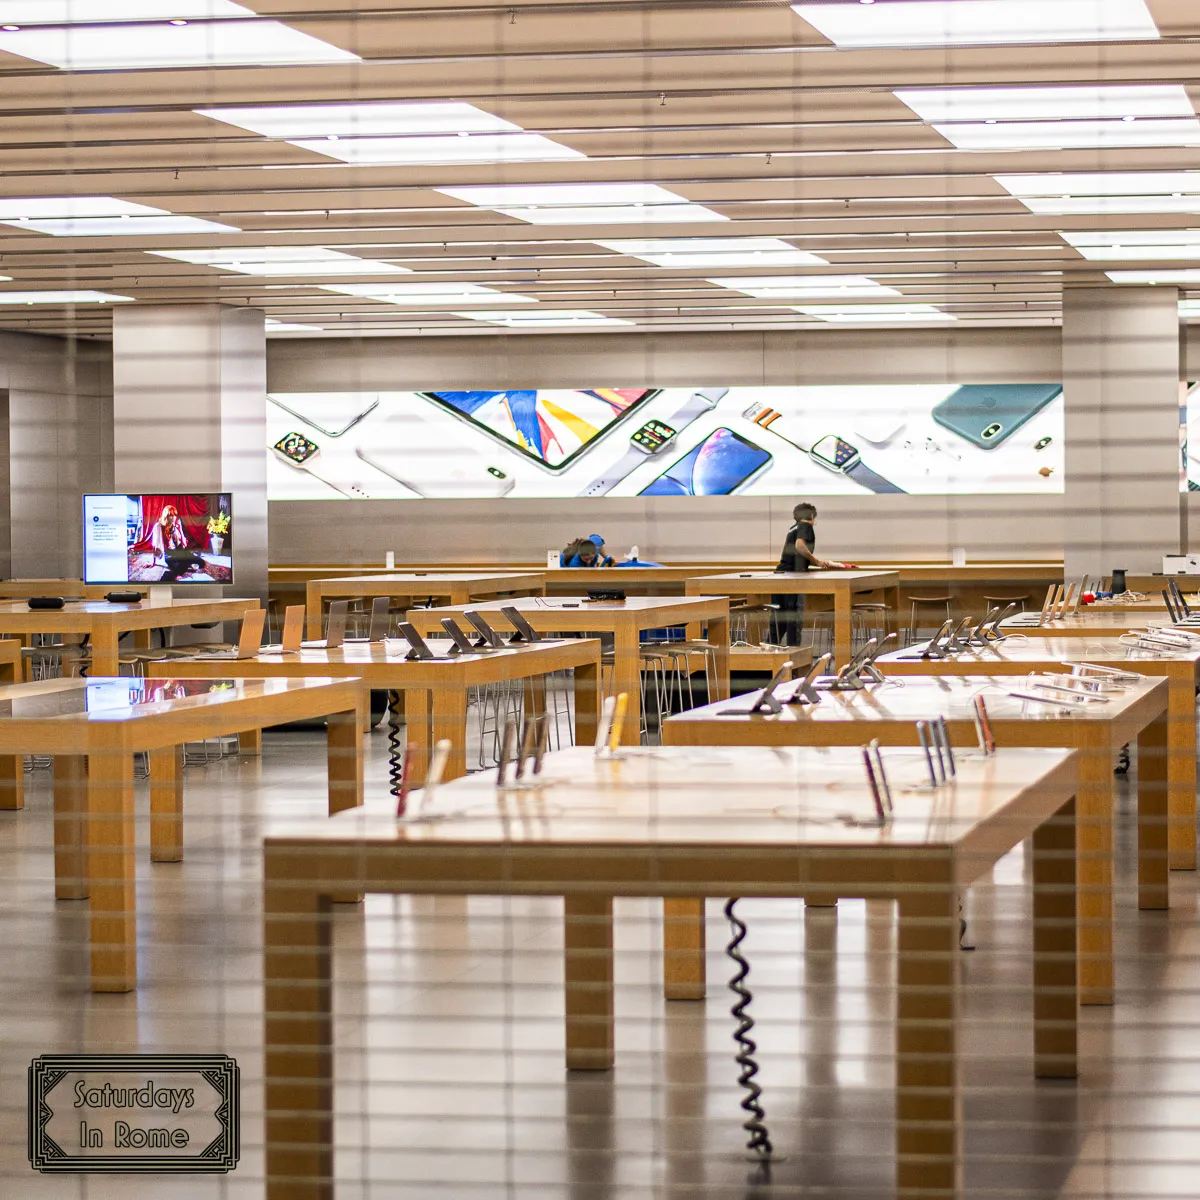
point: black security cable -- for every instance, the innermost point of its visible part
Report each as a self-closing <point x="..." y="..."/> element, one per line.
<point x="760" y="1141"/>
<point x="395" y="749"/>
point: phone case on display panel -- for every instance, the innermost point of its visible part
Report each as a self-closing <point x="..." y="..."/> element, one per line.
<point x="988" y="414"/>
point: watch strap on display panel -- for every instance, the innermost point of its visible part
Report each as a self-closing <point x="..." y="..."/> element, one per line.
<point x="771" y="419"/>
<point x="863" y="474"/>
<point x="701" y="401"/>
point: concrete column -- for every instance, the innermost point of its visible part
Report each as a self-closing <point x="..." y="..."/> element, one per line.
<point x="1120" y="348"/>
<point x="189" y="415"/>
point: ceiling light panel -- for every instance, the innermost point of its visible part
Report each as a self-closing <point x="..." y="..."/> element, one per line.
<point x="62" y="297"/>
<point x="1057" y="118"/>
<point x="584" y="203"/>
<point x="284" y="260"/>
<point x="1099" y="192"/>
<point x="866" y="314"/>
<point x="288" y="327"/>
<point x="166" y="225"/>
<point x="429" y="295"/>
<point x="779" y="287"/>
<point x="1046" y="103"/>
<point x="978" y="22"/>
<point x="1181" y="276"/>
<point x="1136" y="245"/>
<point x="72" y="206"/>
<point x="1189" y="308"/>
<point x="538" y="319"/>
<point x="396" y="133"/>
<point x="138" y="34"/>
<point x="709" y="253"/>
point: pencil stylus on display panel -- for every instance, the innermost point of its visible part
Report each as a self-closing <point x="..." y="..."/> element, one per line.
<point x="614" y="734"/>
<point x="605" y="724"/>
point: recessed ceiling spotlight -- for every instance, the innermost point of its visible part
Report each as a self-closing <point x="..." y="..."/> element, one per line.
<point x="11" y="28"/>
<point x="177" y="22"/>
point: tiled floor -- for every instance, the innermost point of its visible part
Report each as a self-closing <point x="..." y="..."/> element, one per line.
<point x="449" y="1036"/>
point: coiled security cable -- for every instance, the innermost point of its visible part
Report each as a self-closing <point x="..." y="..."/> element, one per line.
<point x="760" y="1141"/>
<point x="395" y="749"/>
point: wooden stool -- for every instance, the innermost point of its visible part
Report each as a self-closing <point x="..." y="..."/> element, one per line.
<point x="1005" y="601"/>
<point x="928" y="601"/>
<point x="868" y="621"/>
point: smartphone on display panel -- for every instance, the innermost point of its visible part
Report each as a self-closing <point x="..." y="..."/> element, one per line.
<point x="553" y="428"/>
<point x="429" y="460"/>
<point x="988" y="414"/>
<point x="717" y="466"/>
<point x="330" y="412"/>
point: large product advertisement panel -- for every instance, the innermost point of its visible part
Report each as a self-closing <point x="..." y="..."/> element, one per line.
<point x="936" y="439"/>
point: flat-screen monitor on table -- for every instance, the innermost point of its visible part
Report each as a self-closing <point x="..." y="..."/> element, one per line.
<point x="168" y="538"/>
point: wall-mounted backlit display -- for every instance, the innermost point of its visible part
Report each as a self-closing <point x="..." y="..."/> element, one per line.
<point x="935" y="439"/>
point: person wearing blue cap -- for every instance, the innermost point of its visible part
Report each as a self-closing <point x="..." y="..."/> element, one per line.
<point x="587" y="552"/>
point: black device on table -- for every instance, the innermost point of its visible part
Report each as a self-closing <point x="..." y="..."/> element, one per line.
<point x="417" y="646"/>
<point x="524" y="631"/>
<point x="602" y="594"/>
<point x="491" y="639"/>
<point x="123" y="597"/>
<point x="462" y="643"/>
<point x="40" y="602"/>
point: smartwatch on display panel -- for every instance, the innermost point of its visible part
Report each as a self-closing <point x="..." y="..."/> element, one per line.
<point x="831" y="452"/>
<point x="300" y="452"/>
<point x="653" y="437"/>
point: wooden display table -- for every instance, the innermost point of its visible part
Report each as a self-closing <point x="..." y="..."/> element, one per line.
<point x="93" y="727"/>
<point x="104" y="623"/>
<point x="1090" y="622"/>
<point x="676" y="824"/>
<point x="70" y="589"/>
<point x="435" y="691"/>
<point x="889" y="712"/>
<point x="413" y="585"/>
<point x="1181" y="670"/>
<point x="625" y="619"/>
<point x="842" y="586"/>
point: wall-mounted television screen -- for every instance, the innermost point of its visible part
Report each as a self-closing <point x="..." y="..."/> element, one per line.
<point x="169" y="538"/>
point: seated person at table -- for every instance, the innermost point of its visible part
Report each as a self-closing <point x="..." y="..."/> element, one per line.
<point x="587" y="552"/>
<point x="799" y="554"/>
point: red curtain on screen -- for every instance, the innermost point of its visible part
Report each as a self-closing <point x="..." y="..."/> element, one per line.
<point x="193" y="512"/>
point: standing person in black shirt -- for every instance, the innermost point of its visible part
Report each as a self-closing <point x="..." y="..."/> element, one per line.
<point x="799" y="554"/>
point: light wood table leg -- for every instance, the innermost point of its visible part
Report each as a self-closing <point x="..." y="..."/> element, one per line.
<point x="627" y="678"/>
<point x="111" y="871"/>
<point x="1181" y="772"/>
<point x="588" y="699"/>
<point x="683" y="949"/>
<point x="344" y="752"/>
<point x="1055" y="988"/>
<point x="1153" y="816"/>
<point x="1094" y="841"/>
<point x="588" y="945"/>
<point x="250" y="742"/>
<point x="12" y="781"/>
<point x="450" y="722"/>
<point x="104" y="653"/>
<point x="534" y="689"/>
<point x="842" y="637"/>
<point x="298" y="1042"/>
<point x="143" y="639"/>
<point x="718" y="637"/>
<point x="314" y="601"/>
<point x="166" y="804"/>
<point x="70" y="827"/>
<point x="418" y="732"/>
<point x="928" y="1103"/>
